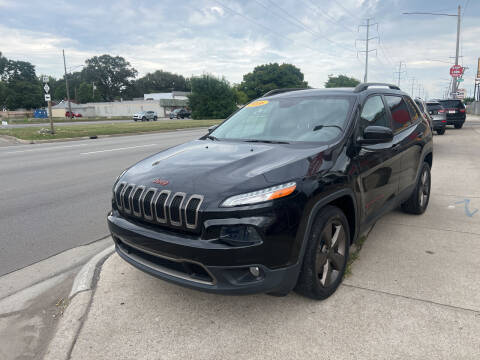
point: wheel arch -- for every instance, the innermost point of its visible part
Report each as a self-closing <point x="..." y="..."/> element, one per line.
<point x="343" y="199"/>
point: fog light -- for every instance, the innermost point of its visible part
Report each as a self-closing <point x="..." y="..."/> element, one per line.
<point x="255" y="271"/>
<point x="239" y="235"/>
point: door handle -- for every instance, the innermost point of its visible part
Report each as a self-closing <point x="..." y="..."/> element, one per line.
<point x="396" y="147"/>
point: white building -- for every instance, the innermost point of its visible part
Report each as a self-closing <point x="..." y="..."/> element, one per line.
<point x="161" y="103"/>
<point x="181" y="95"/>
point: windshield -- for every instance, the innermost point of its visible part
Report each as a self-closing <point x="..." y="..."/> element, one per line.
<point x="451" y="103"/>
<point x="292" y="119"/>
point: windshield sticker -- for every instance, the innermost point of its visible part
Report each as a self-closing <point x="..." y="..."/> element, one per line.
<point x="258" y="103"/>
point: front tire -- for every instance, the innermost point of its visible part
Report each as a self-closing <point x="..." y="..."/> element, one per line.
<point x="154" y="118"/>
<point x="326" y="255"/>
<point x="441" y="131"/>
<point x="417" y="202"/>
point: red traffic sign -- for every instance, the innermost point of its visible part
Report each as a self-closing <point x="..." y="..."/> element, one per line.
<point x="456" y="71"/>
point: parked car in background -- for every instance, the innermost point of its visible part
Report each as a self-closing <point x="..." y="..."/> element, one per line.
<point x="438" y="115"/>
<point x="67" y="114"/>
<point x="271" y="199"/>
<point x="145" y="116"/>
<point x="455" y="110"/>
<point x="180" y="114"/>
<point x="423" y="108"/>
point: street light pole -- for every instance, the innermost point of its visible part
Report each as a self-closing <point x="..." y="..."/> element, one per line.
<point x="454" y="82"/>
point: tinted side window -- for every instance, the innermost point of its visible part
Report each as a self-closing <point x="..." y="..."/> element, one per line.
<point x="400" y="112"/>
<point x="414" y="114"/>
<point x="373" y="113"/>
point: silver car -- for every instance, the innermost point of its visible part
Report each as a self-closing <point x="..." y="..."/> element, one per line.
<point x="145" y="116"/>
<point x="438" y="115"/>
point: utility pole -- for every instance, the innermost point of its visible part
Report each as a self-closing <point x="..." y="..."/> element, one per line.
<point x="400" y="71"/>
<point x="66" y="84"/>
<point x="367" y="50"/>
<point x="458" y="15"/>
<point x="455" y="82"/>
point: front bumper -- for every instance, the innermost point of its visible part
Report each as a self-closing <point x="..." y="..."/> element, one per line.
<point x="195" y="263"/>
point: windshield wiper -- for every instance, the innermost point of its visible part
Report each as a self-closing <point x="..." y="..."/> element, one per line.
<point x="211" y="137"/>
<point x="319" y="127"/>
<point x="268" y="141"/>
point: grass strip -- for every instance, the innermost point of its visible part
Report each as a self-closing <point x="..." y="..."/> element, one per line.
<point x="73" y="131"/>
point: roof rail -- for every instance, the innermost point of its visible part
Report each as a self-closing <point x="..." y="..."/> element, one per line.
<point x="365" y="86"/>
<point x="279" y="91"/>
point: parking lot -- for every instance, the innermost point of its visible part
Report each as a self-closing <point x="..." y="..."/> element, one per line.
<point x="413" y="292"/>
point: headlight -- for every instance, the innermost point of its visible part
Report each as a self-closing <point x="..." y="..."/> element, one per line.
<point x="254" y="197"/>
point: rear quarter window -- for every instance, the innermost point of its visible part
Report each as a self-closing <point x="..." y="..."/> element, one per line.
<point x="400" y="112"/>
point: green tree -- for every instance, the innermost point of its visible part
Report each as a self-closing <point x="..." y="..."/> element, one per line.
<point x="85" y="93"/>
<point x="24" y="94"/>
<point x="240" y="96"/>
<point x="341" y="81"/>
<point x="271" y="76"/>
<point x="18" y="71"/>
<point x="211" y="98"/>
<point x="3" y="64"/>
<point x="3" y="95"/>
<point x="162" y="81"/>
<point x="110" y="74"/>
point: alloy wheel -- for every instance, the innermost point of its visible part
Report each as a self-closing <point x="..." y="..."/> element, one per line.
<point x="330" y="258"/>
<point x="424" y="188"/>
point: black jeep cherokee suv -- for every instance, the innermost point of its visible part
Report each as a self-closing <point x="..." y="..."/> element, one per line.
<point x="455" y="110"/>
<point x="272" y="198"/>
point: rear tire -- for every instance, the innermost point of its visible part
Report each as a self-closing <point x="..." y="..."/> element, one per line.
<point x="441" y="131"/>
<point x="417" y="202"/>
<point x="154" y="118"/>
<point x="326" y="255"/>
<point x="144" y="118"/>
<point x="458" y="126"/>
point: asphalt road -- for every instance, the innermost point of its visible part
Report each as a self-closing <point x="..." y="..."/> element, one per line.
<point x="55" y="196"/>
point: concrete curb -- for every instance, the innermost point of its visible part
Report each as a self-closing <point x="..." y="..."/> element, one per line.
<point x="80" y="299"/>
<point x="84" y="279"/>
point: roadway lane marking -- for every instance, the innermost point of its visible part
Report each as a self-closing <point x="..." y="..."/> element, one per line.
<point x="42" y="148"/>
<point x="117" y="149"/>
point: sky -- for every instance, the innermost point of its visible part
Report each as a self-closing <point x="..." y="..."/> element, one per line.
<point x="230" y="37"/>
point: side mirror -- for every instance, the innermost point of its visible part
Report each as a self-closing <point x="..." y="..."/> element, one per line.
<point x="211" y="128"/>
<point x="376" y="135"/>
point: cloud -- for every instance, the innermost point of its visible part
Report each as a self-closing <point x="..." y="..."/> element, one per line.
<point x="231" y="37"/>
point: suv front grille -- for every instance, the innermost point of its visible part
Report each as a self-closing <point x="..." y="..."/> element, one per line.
<point x="158" y="206"/>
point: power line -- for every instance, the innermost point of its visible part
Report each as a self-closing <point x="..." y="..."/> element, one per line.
<point x="346" y="11"/>
<point x="299" y="23"/>
<point x="328" y="16"/>
<point x="263" y="26"/>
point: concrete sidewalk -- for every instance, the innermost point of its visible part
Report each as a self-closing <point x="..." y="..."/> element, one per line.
<point x="414" y="293"/>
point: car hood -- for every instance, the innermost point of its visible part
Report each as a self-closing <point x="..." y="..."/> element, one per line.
<point x="218" y="169"/>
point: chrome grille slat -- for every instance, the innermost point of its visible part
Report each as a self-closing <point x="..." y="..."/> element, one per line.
<point x="118" y="194"/>
<point x="143" y="200"/>
<point x="158" y="206"/>
<point x="137" y="202"/>
<point x="195" y="210"/>
<point x="177" y="195"/>
<point x="126" y="193"/>
<point x="162" y="219"/>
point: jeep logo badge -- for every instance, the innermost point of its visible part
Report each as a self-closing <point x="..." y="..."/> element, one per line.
<point x="160" y="182"/>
